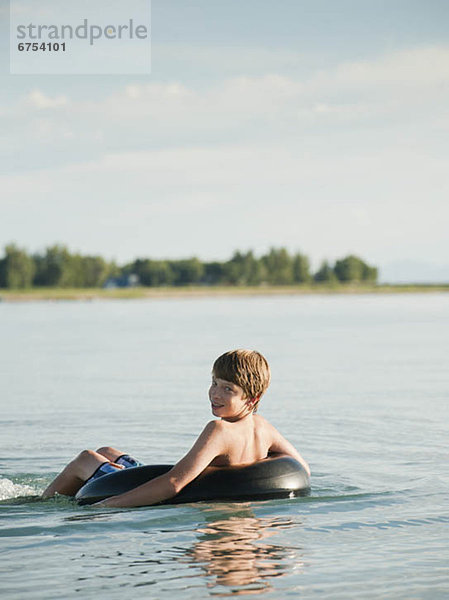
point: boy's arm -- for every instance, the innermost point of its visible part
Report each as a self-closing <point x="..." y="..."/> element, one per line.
<point x="282" y="446"/>
<point x="209" y="444"/>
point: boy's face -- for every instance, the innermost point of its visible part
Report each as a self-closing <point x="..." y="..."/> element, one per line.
<point x="228" y="400"/>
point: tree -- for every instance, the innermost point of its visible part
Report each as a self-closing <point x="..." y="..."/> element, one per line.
<point x="57" y="267"/>
<point x="349" y="269"/>
<point x="369" y="273"/>
<point x="244" y="269"/>
<point x="153" y="272"/>
<point x="352" y="268"/>
<point x="187" y="272"/>
<point x="214" y="273"/>
<point x="279" y="267"/>
<point x="325" y="274"/>
<point x="301" y="268"/>
<point x="16" y="268"/>
<point x="95" y="271"/>
<point x="52" y="268"/>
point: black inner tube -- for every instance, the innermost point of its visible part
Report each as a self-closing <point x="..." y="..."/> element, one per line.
<point x="273" y="477"/>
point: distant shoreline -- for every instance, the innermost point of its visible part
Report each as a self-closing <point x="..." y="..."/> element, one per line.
<point x="54" y="294"/>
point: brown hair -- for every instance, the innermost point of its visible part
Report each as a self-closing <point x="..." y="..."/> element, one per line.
<point x="245" y="368"/>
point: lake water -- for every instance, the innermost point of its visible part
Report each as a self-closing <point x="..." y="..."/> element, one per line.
<point x="360" y="384"/>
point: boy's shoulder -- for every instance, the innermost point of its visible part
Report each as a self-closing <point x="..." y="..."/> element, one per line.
<point x="220" y="425"/>
<point x="262" y="421"/>
<point x="223" y="423"/>
<point x="214" y="426"/>
<point x="214" y="423"/>
<point x="265" y="427"/>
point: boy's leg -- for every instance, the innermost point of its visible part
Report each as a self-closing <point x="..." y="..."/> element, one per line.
<point x="75" y="474"/>
<point x="118" y="457"/>
<point x="110" y="453"/>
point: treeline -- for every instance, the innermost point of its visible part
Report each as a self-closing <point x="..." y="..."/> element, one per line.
<point x="57" y="267"/>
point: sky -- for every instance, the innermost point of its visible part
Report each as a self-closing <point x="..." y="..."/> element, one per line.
<point x="317" y="125"/>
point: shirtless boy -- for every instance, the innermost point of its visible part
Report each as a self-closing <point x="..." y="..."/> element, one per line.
<point x="236" y="436"/>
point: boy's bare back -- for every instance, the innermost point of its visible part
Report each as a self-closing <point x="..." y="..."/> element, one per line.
<point x="250" y="439"/>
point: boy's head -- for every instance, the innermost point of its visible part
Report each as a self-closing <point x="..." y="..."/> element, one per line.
<point x="245" y="368"/>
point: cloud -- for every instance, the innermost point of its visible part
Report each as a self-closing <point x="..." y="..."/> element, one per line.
<point x="414" y="67"/>
<point x="39" y="100"/>
<point x="354" y="90"/>
<point x="345" y="160"/>
<point x="407" y="88"/>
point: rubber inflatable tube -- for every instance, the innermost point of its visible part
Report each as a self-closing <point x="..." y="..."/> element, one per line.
<point x="279" y="477"/>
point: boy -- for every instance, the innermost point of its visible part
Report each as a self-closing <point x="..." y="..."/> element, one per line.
<point x="236" y="436"/>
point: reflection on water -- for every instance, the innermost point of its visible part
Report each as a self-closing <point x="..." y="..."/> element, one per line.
<point x="224" y="549"/>
<point x="91" y="517"/>
<point x="233" y="552"/>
